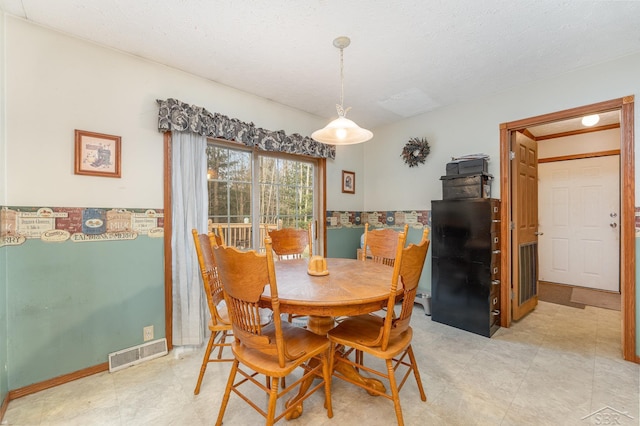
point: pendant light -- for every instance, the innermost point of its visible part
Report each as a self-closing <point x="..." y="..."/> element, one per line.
<point x="342" y="131"/>
<point x="590" y="120"/>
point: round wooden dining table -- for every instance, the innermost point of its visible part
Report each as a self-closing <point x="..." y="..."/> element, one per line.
<point x="352" y="287"/>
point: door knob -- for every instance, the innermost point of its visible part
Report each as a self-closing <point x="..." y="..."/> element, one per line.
<point x="613" y="214"/>
<point x="538" y="233"/>
<point x="613" y="225"/>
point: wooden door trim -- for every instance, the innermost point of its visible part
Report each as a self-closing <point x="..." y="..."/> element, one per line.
<point x="580" y="156"/>
<point x="578" y="132"/>
<point x="168" y="231"/>
<point x="505" y="226"/>
<point x="627" y="211"/>
<point x="627" y="231"/>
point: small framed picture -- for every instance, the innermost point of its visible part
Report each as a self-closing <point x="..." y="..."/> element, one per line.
<point x="97" y="154"/>
<point x="348" y="182"/>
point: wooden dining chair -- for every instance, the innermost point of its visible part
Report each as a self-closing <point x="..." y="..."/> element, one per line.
<point x="425" y="234"/>
<point x="215" y="230"/>
<point x="219" y="323"/>
<point x="218" y="236"/>
<point x="380" y="245"/>
<point x="274" y="350"/>
<point x="388" y="338"/>
<point x="291" y="243"/>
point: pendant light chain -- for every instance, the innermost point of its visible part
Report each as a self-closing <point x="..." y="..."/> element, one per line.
<point x="342" y="77"/>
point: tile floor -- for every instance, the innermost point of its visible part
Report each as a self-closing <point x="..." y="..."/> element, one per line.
<point x="555" y="367"/>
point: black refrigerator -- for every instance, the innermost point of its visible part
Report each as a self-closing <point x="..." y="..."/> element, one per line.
<point x="465" y="251"/>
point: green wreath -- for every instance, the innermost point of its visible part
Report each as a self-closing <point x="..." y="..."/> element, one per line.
<point x="415" y="151"/>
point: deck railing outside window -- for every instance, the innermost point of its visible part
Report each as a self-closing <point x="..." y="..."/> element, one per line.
<point x="239" y="234"/>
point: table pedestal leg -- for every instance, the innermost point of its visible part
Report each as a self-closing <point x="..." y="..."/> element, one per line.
<point x="321" y="325"/>
<point x="351" y="373"/>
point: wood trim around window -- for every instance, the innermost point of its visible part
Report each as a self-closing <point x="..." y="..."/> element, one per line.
<point x="168" y="285"/>
<point x="322" y="214"/>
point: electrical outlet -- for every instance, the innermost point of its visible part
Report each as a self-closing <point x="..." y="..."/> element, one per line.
<point x="147" y="333"/>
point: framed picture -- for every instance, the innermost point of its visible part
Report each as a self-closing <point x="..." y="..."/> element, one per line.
<point x="97" y="154"/>
<point x="348" y="182"/>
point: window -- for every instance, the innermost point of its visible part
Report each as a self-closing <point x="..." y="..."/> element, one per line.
<point x="286" y="192"/>
<point x="280" y="190"/>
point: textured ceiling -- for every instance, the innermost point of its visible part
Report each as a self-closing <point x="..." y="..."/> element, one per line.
<point x="406" y="56"/>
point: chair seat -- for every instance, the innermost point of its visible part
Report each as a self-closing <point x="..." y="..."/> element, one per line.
<point x="220" y="326"/>
<point x="359" y="331"/>
<point x="299" y="341"/>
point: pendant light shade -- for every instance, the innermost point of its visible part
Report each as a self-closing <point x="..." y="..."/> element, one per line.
<point x="342" y="131"/>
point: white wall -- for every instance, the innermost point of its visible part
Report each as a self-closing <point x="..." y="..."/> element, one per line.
<point x="3" y="157"/>
<point x="473" y="127"/>
<point x="349" y="158"/>
<point x="4" y="377"/>
<point x="605" y="140"/>
<point x="56" y="84"/>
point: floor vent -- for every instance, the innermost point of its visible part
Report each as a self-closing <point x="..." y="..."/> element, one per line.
<point x="137" y="354"/>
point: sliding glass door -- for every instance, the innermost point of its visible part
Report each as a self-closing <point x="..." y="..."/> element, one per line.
<point x="251" y="192"/>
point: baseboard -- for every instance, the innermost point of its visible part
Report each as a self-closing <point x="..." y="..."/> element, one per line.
<point x="3" y="408"/>
<point x="57" y="381"/>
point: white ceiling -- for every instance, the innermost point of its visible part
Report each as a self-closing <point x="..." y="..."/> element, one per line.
<point x="406" y="56"/>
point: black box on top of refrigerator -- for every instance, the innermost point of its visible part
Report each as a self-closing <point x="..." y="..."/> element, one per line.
<point x="467" y="165"/>
<point x="472" y="185"/>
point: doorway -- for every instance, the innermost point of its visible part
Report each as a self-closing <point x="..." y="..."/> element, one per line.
<point x="579" y="238"/>
<point x="509" y="264"/>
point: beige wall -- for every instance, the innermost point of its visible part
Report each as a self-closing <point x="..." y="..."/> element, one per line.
<point x="55" y="84"/>
<point x="473" y="127"/>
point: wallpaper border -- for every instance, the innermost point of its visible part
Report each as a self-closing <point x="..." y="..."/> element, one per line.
<point x="77" y="224"/>
<point x="417" y="219"/>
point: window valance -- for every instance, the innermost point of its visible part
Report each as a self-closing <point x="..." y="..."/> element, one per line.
<point x="182" y="117"/>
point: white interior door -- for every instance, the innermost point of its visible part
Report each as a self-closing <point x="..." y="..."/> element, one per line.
<point x="579" y="212"/>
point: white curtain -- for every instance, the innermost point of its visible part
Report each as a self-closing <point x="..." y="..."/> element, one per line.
<point x="189" y="210"/>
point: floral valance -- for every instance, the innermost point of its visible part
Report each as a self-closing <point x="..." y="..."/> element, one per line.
<point x="179" y="116"/>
